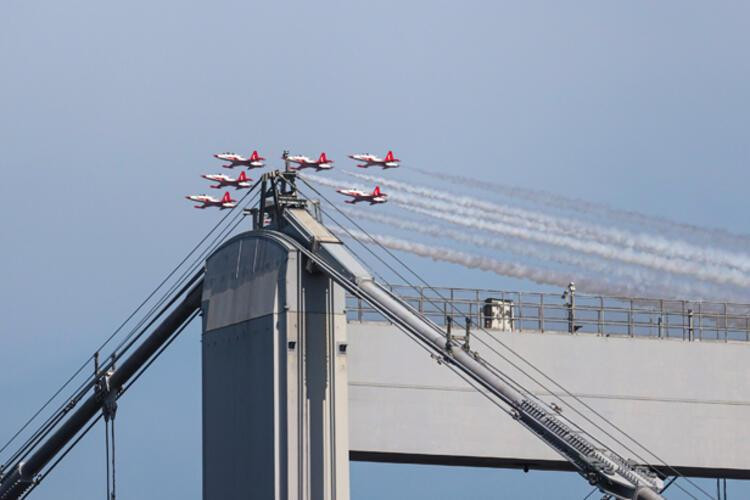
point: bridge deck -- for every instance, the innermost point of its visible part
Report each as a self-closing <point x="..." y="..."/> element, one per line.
<point x="689" y="402"/>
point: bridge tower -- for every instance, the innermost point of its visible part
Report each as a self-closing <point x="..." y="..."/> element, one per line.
<point x="275" y="405"/>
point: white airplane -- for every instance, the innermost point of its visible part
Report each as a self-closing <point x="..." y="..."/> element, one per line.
<point x="223" y="181"/>
<point x="322" y="163"/>
<point x="373" y="161"/>
<point x="235" y="160"/>
<point x="210" y="201"/>
<point x="375" y="197"/>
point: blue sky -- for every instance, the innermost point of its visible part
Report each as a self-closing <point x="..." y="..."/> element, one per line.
<point x="108" y="113"/>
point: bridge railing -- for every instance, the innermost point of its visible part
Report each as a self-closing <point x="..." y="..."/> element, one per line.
<point x="586" y="314"/>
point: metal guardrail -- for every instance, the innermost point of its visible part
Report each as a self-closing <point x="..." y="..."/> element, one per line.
<point x="573" y="312"/>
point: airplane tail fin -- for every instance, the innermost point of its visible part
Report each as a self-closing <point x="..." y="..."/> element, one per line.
<point x="376" y="191"/>
<point x="389" y="156"/>
<point x="227" y="198"/>
<point x="254" y="156"/>
<point x="242" y="177"/>
<point x="323" y="158"/>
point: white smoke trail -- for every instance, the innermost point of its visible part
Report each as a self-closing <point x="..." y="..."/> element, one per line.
<point x="473" y="261"/>
<point x="556" y="201"/>
<point x="525" y="249"/>
<point x="671" y="249"/>
<point x="645" y="283"/>
<point x="474" y="218"/>
<point x="327" y="181"/>
<point x="675" y="266"/>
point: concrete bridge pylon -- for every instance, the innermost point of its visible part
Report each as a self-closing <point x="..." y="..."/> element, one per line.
<point x="275" y="405"/>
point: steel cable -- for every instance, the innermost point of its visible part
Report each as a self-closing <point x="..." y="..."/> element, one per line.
<point x="489" y="365"/>
<point x="497" y="340"/>
<point x="517" y="386"/>
<point x="85" y="385"/>
<point x="42" y="476"/>
<point x="122" y="392"/>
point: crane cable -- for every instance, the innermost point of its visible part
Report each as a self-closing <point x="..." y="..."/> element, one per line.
<point x="576" y="398"/>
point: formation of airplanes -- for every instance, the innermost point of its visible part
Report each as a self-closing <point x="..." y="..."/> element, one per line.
<point x="300" y="162"/>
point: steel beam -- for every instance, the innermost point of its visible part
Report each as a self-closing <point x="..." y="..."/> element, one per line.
<point x="17" y="482"/>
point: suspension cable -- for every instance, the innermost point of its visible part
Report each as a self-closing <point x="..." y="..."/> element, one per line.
<point x="66" y="405"/>
<point x="106" y="455"/>
<point x="530" y="394"/>
<point x="488" y="364"/>
<point x="576" y="398"/>
<point x="100" y="416"/>
<point x="114" y="486"/>
<point x="81" y="391"/>
<point x="59" y="459"/>
<point x="499" y="373"/>
<point x="119" y="328"/>
<point x="191" y="269"/>
<point x="40" y="410"/>
<point x="521" y="388"/>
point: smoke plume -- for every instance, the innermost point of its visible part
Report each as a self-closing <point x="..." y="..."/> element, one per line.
<point x="557" y="202"/>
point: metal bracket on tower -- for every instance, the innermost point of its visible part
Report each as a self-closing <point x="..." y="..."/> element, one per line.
<point x="278" y="191"/>
<point x="449" y="337"/>
<point x="310" y="266"/>
<point x="449" y="334"/>
<point x="103" y="390"/>
<point x="107" y="397"/>
<point x="467" y="336"/>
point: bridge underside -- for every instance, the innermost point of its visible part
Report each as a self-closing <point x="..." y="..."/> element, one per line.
<point x="688" y="402"/>
<point x="524" y="464"/>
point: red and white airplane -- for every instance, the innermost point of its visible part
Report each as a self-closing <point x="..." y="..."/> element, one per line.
<point x="323" y="163"/>
<point x="222" y="181"/>
<point x="375" y="197"/>
<point x="210" y="201"/>
<point x="235" y="160"/>
<point x="374" y="161"/>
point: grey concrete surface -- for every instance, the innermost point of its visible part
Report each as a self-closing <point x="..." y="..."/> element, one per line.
<point x="687" y="402"/>
<point x="275" y="421"/>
